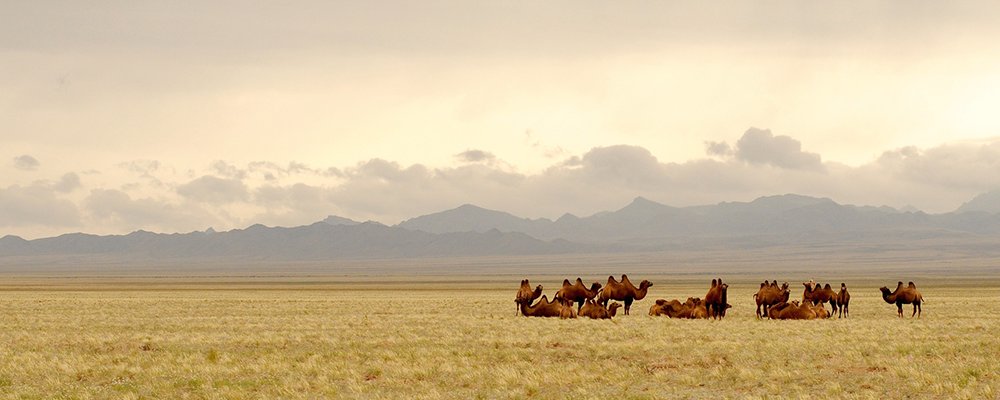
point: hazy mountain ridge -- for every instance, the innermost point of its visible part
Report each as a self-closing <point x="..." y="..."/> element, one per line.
<point x="468" y="230"/>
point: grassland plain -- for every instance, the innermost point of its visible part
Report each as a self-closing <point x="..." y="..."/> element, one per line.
<point x="461" y="339"/>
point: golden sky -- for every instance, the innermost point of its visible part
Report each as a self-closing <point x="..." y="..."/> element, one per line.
<point x="182" y="115"/>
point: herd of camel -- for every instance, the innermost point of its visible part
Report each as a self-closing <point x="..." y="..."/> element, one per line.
<point x="772" y="300"/>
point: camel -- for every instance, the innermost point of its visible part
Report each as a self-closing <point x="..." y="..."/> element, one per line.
<point x="566" y="311"/>
<point x="715" y="299"/>
<point x="816" y="295"/>
<point x="624" y="291"/>
<point x="594" y="310"/>
<point x="525" y="295"/>
<point x="662" y="306"/>
<point x="792" y="310"/>
<point x="904" y="295"/>
<point x="769" y="295"/>
<point x="543" y="308"/>
<point x="578" y="292"/>
<point x="844" y="300"/>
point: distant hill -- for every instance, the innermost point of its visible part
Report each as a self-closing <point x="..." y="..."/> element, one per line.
<point x="642" y="225"/>
<point x="470" y="218"/>
<point x="988" y="202"/>
<point x="312" y="242"/>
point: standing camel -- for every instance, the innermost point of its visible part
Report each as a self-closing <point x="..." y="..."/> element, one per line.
<point x="769" y="295"/>
<point x="904" y="295"/>
<point x="844" y="300"/>
<point x="578" y="293"/>
<point x="715" y="299"/>
<point x="623" y="291"/>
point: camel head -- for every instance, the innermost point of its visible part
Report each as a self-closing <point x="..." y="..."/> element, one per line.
<point x="885" y="291"/>
<point x="784" y="286"/>
<point x="843" y="285"/>
<point x="613" y="308"/>
<point x="645" y="285"/>
<point x="537" y="292"/>
<point x="785" y="294"/>
<point x="595" y="287"/>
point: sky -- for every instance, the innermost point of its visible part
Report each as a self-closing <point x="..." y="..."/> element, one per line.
<point x="178" y="116"/>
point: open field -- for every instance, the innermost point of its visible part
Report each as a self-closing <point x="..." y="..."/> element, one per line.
<point x="458" y="337"/>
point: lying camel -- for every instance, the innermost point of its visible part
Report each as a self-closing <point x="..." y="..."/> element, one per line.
<point x="769" y="295"/>
<point x="844" y="300"/>
<point x="624" y="291"/>
<point x="664" y="307"/>
<point x="595" y="310"/>
<point x="525" y="295"/>
<point x="566" y="311"/>
<point x="904" y="295"/>
<point x="578" y="293"/>
<point x="543" y="308"/>
<point x="792" y="310"/>
<point x="715" y="299"/>
<point x="816" y="295"/>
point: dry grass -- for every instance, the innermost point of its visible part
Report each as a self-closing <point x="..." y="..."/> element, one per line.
<point x="463" y="340"/>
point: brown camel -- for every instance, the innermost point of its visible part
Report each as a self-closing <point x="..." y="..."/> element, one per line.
<point x="578" y="293"/>
<point x="662" y="306"/>
<point x="792" y="310"/>
<point x="594" y="310"/>
<point x="566" y="311"/>
<point x="624" y="291"/>
<point x="769" y="295"/>
<point x="904" y="295"/>
<point x="543" y="308"/>
<point x="715" y="299"/>
<point x="844" y="300"/>
<point x="816" y="295"/>
<point x="525" y="295"/>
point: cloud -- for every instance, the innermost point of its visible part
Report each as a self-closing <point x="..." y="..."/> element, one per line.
<point x="111" y="207"/>
<point x="719" y="149"/>
<point x="936" y="179"/>
<point x="474" y="156"/>
<point x="211" y="189"/>
<point x="36" y="205"/>
<point x="68" y="183"/>
<point x="760" y="146"/>
<point x="26" y="163"/>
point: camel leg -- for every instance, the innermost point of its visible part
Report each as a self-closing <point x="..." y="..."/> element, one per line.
<point x="628" y="304"/>
<point x="579" y="306"/>
<point x="915" y="305"/>
<point x="899" y="309"/>
<point x="758" y="311"/>
<point x="920" y="309"/>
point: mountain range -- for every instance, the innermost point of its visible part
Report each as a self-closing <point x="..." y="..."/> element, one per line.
<point x="468" y="230"/>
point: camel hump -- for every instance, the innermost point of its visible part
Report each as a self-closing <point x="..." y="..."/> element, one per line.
<point x="912" y="285"/>
<point x="714" y="283"/>
<point x="827" y="286"/>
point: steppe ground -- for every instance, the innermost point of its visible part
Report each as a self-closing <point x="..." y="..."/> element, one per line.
<point x="419" y="335"/>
